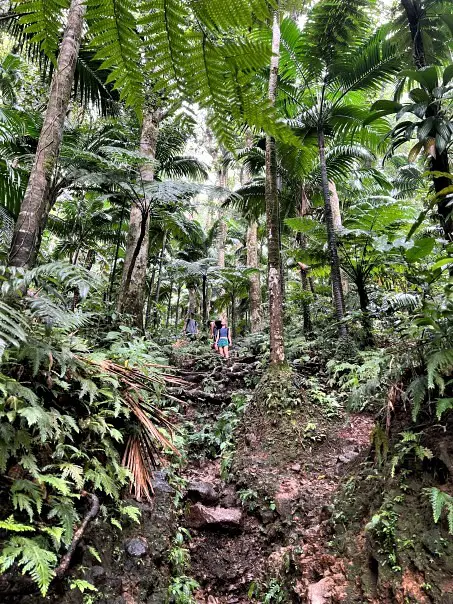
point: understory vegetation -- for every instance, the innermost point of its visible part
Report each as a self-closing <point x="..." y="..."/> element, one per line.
<point x="284" y="167"/>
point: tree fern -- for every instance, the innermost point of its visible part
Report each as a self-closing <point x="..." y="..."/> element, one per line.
<point x="32" y="558"/>
<point x="112" y="30"/>
<point x="42" y="22"/>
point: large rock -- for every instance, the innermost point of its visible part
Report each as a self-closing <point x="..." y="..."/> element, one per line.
<point x="321" y="592"/>
<point x="203" y="492"/>
<point x="137" y="547"/>
<point x="201" y="516"/>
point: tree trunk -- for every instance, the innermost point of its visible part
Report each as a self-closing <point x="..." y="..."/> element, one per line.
<point x="192" y="299"/>
<point x="413" y="14"/>
<point x="205" y="300"/>
<point x="159" y="276"/>
<point x="255" y="284"/>
<point x="337" y="225"/>
<point x="167" y="323"/>
<point x="331" y="239"/>
<point x="222" y="228"/>
<point x="132" y="295"/>
<point x="35" y="205"/>
<point x="277" y="351"/>
<point x="117" y="250"/>
<point x="233" y="313"/>
<point x="149" y="302"/>
<point x="178" y="298"/>
<point x="440" y="162"/>
<point x="367" y="322"/>
<point x="305" y="303"/>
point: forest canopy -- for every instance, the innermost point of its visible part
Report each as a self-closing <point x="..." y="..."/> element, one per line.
<point x="281" y="167"/>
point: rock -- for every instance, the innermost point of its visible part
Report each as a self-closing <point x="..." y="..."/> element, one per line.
<point x="321" y="592"/>
<point x="229" y="498"/>
<point x="348" y="455"/>
<point x="202" y="517"/>
<point x="296" y="467"/>
<point x="137" y="547"/>
<point x="160" y="483"/>
<point x="202" y="491"/>
<point x="267" y="515"/>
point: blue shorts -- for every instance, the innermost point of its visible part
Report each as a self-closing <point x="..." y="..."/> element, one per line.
<point x="222" y="342"/>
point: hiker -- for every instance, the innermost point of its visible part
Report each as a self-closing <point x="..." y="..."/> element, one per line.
<point x="223" y="340"/>
<point x="215" y="331"/>
<point x="191" y="327"/>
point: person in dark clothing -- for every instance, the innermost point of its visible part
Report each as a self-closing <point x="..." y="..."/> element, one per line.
<point x="191" y="326"/>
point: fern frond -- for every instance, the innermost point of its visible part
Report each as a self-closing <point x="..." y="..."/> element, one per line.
<point x="10" y="524"/>
<point x="440" y="500"/>
<point x="114" y="37"/>
<point x="13" y="327"/>
<point x="443" y="405"/>
<point x="42" y="22"/>
<point x="32" y="558"/>
<point x="439" y="363"/>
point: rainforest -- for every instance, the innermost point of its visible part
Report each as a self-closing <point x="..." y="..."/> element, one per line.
<point x="226" y="301"/>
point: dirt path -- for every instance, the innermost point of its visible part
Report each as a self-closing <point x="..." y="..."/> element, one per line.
<point x="268" y="524"/>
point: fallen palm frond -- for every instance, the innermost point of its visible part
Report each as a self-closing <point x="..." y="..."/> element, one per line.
<point x="142" y="448"/>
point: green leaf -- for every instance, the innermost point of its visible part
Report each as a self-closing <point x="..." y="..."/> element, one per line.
<point x="10" y="524"/>
<point x="442" y="405"/>
<point x="448" y="75"/>
<point x="422" y="247"/>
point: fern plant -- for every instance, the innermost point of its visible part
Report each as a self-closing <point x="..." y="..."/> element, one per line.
<point x="441" y="501"/>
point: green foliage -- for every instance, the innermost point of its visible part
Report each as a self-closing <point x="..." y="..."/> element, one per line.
<point x="269" y="592"/>
<point x="32" y="558"/>
<point x="441" y="501"/>
<point x="409" y="446"/>
<point x="383" y="526"/>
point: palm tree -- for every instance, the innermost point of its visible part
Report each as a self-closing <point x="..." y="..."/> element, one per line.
<point x="430" y="104"/>
<point x="325" y="77"/>
<point x="171" y="163"/>
<point x="277" y="349"/>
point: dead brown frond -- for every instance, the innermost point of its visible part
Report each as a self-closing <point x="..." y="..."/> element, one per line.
<point x="141" y="455"/>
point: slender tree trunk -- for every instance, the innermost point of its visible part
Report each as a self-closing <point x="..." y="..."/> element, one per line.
<point x="178" y="298"/>
<point x="222" y="228"/>
<point x="159" y="276"/>
<point x="167" y="323"/>
<point x="132" y="295"/>
<point x="277" y="351"/>
<point x="413" y="14"/>
<point x="440" y="162"/>
<point x="367" y="322"/>
<point x="35" y="205"/>
<point x="233" y="313"/>
<point x="255" y="284"/>
<point x="337" y="225"/>
<point x="192" y="299"/>
<point x="305" y="303"/>
<point x="117" y="250"/>
<point x="205" y="300"/>
<point x="331" y="239"/>
<point x="149" y="302"/>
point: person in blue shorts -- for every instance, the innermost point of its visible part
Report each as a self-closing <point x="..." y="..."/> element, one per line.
<point x="223" y="340"/>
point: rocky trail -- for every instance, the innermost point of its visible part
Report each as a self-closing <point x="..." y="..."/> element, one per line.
<point x="264" y="526"/>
